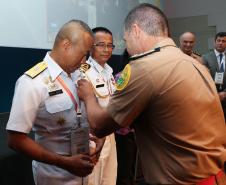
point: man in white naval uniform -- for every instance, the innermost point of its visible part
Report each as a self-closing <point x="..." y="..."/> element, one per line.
<point x="46" y="101"/>
<point x="102" y="80"/>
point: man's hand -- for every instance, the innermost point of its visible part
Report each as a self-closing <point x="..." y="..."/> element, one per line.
<point x="222" y="95"/>
<point x="99" y="143"/>
<point x="79" y="165"/>
<point x="99" y="120"/>
<point x="85" y="89"/>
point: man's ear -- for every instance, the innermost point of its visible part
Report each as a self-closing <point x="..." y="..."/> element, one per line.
<point x="136" y="31"/>
<point x="66" y="44"/>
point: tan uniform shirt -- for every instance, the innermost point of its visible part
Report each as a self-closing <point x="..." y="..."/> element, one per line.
<point x="196" y="57"/>
<point x="179" y="123"/>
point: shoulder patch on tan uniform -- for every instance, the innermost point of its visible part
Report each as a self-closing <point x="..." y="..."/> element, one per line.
<point x="36" y="70"/>
<point x="123" y="78"/>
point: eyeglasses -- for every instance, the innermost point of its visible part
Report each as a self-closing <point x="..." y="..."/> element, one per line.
<point x="103" y="45"/>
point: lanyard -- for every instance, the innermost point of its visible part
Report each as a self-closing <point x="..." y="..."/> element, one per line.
<point x="77" y="110"/>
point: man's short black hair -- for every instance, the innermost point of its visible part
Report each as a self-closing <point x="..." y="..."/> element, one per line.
<point x="220" y="34"/>
<point x="101" y="29"/>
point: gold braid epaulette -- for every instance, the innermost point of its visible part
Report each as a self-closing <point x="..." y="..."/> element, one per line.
<point x="36" y="70"/>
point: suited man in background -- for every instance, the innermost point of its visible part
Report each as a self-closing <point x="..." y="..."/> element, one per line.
<point x="215" y="62"/>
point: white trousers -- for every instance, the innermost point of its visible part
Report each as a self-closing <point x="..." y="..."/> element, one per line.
<point x="105" y="171"/>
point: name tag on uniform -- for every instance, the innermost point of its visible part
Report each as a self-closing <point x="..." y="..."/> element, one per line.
<point x="99" y="85"/>
<point x="219" y="77"/>
<point x="80" y="140"/>
<point x="53" y="89"/>
<point x="52" y="93"/>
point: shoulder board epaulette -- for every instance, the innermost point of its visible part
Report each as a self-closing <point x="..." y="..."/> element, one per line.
<point x="36" y="70"/>
<point x="196" y="53"/>
<point x="84" y="67"/>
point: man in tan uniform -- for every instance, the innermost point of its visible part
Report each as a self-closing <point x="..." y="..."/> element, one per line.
<point x="172" y="102"/>
<point x="187" y="43"/>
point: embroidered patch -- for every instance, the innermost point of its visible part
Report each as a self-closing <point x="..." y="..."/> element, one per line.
<point x="123" y="78"/>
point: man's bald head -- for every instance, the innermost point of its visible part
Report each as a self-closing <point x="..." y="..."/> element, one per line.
<point x="71" y="45"/>
<point x="187" y="42"/>
<point x="72" y="31"/>
<point x="187" y="34"/>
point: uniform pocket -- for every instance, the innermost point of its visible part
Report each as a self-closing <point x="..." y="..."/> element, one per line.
<point x="102" y="90"/>
<point x="58" y="103"/>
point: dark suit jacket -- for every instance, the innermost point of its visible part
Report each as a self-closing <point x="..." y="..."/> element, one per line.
<point x="210" y="61"/>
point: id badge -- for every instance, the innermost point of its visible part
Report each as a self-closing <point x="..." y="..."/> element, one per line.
<point x="219" y="77"/>
<point x="79" y="140"/>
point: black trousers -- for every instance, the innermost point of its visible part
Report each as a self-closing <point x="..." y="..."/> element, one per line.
<point x="126" y="157"/>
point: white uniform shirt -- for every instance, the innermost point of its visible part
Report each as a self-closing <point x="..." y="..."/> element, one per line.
<point x="102" y="79"/>
<point x="51" y="118"/>
<point x="105" y="171"/>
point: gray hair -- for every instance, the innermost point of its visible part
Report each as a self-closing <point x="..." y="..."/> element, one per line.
<point x="149" y="18"/>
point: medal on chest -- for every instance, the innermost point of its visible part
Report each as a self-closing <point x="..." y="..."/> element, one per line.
<point x="53" y="88"/>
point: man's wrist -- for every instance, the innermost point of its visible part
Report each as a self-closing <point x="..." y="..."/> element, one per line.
<point x="90" y="98"/>
<point x="59" y="161"/>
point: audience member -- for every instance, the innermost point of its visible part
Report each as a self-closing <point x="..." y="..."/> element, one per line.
<point x="187" y="43"/>
<point x="215" y="62"/>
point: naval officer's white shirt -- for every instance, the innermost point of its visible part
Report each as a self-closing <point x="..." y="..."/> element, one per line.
<point x="51" y="117"/>
<point x="104" y="73"/>
<point x="105" y="171"/>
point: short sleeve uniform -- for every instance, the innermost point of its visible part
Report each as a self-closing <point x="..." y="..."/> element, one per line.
<point x="168" y="98"/>
<point x="50" y="116"/>
<point x="103" y="83"/>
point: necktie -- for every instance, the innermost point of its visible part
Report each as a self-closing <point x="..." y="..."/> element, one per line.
<point x="221" y="63"/>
